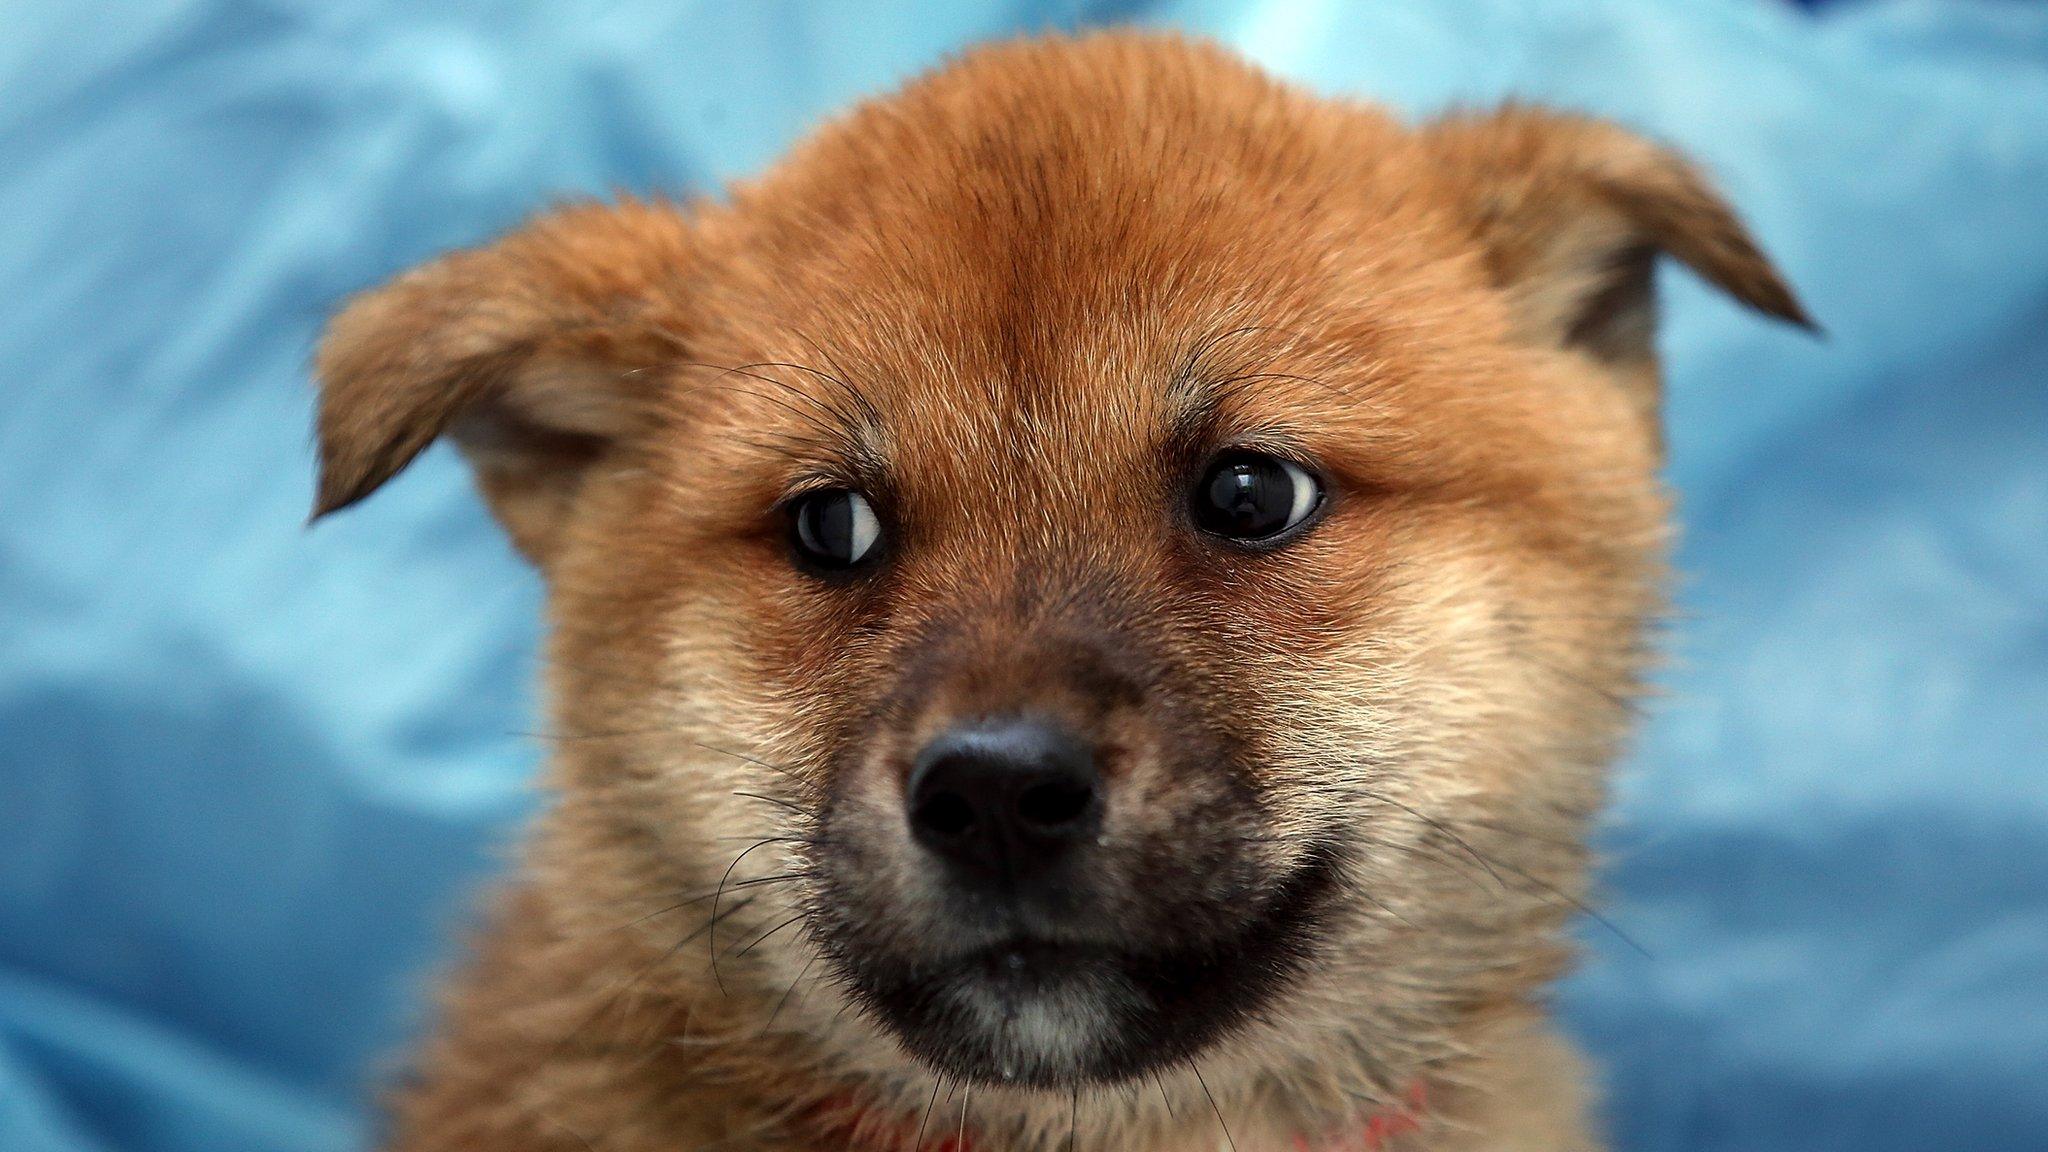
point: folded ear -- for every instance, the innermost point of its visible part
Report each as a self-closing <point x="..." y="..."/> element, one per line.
<point x="529" y="354"/>
<point x="1571" y="213"/>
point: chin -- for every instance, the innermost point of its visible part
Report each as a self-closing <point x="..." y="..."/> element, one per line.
<point x="1032" y="1013"/>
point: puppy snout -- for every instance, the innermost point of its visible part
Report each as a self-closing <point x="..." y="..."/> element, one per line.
<point x="1001" y="801"/>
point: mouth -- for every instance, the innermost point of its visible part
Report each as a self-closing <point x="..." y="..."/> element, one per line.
<point x="1053" y="1014"/>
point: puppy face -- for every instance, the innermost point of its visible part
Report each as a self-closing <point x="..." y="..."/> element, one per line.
<point x="1100" y="561"/>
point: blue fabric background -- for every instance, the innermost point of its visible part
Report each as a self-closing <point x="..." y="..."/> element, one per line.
<point x="251" y="776"/>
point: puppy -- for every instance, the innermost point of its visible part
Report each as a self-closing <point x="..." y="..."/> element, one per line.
<point x="1089" y="606"/>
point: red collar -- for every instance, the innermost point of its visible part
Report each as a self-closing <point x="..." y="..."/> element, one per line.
<point x="849" y="1124"/>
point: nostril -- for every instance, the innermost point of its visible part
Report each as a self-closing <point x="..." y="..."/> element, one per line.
<point x="947" y="815"/>
<point x="1002" y="797"/>
<point x="1055" y="804"/>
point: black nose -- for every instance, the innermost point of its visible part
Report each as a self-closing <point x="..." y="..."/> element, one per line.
<point x="1004" y="797"/>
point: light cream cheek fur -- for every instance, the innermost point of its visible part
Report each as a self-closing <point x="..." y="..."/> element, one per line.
<point x="1410" y="733"/>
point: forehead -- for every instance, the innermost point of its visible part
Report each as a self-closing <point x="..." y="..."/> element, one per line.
<point x="998" y="318"/>
<point x="957" y="287"/>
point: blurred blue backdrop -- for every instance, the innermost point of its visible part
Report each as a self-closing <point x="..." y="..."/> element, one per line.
<point x="251" y="776"/>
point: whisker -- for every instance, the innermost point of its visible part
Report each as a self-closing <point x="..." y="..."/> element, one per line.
<point x="709" y="893"/>
<point x="636" y="922"/>
<point x="641" y="974"/>
<point x="780" y="803"/>
<point x="581" y="737"/>
<point x="737" y="907"/>
<point x="764" y="881"/>
<point x="1232" y="385"/>
<point x="966" y="1101"/>
<point x="1385" y="907"/>
<point x="838" y="376"/>
<point x="1074" y="1117"/>
<point x="747" y="371"/>
<point x="579" y="1137"/>
<point x="1279" y="838"/>
<point x="868" y="410"/>
<point x="782" y="1003"/>
<point x="1588" y="910"/>
<point x="755" y="760"/>
<point x="765" y="935"/>
<point x="1441" y="827"/>
<point x="770" y="839"/>
<point x="1537" y="885"/>
<point x="919" y="1142"/>
<point x="1227" y="1137"/>
<point x="1504" y="829"/>
<point x="727" y="875"/>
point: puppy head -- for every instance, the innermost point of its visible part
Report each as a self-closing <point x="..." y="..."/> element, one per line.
<point x="1106" y="561"/>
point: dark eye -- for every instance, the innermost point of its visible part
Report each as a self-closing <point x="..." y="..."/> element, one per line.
<point x="1252" y="496"/>
<point x="835" y="528"/>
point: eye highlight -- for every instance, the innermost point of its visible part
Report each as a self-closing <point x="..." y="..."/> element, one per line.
<point x="834" y="529"/>
<point x="1254" y="497"/>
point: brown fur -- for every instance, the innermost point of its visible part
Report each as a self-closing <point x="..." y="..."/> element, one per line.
<point x="1019" y="298"/>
